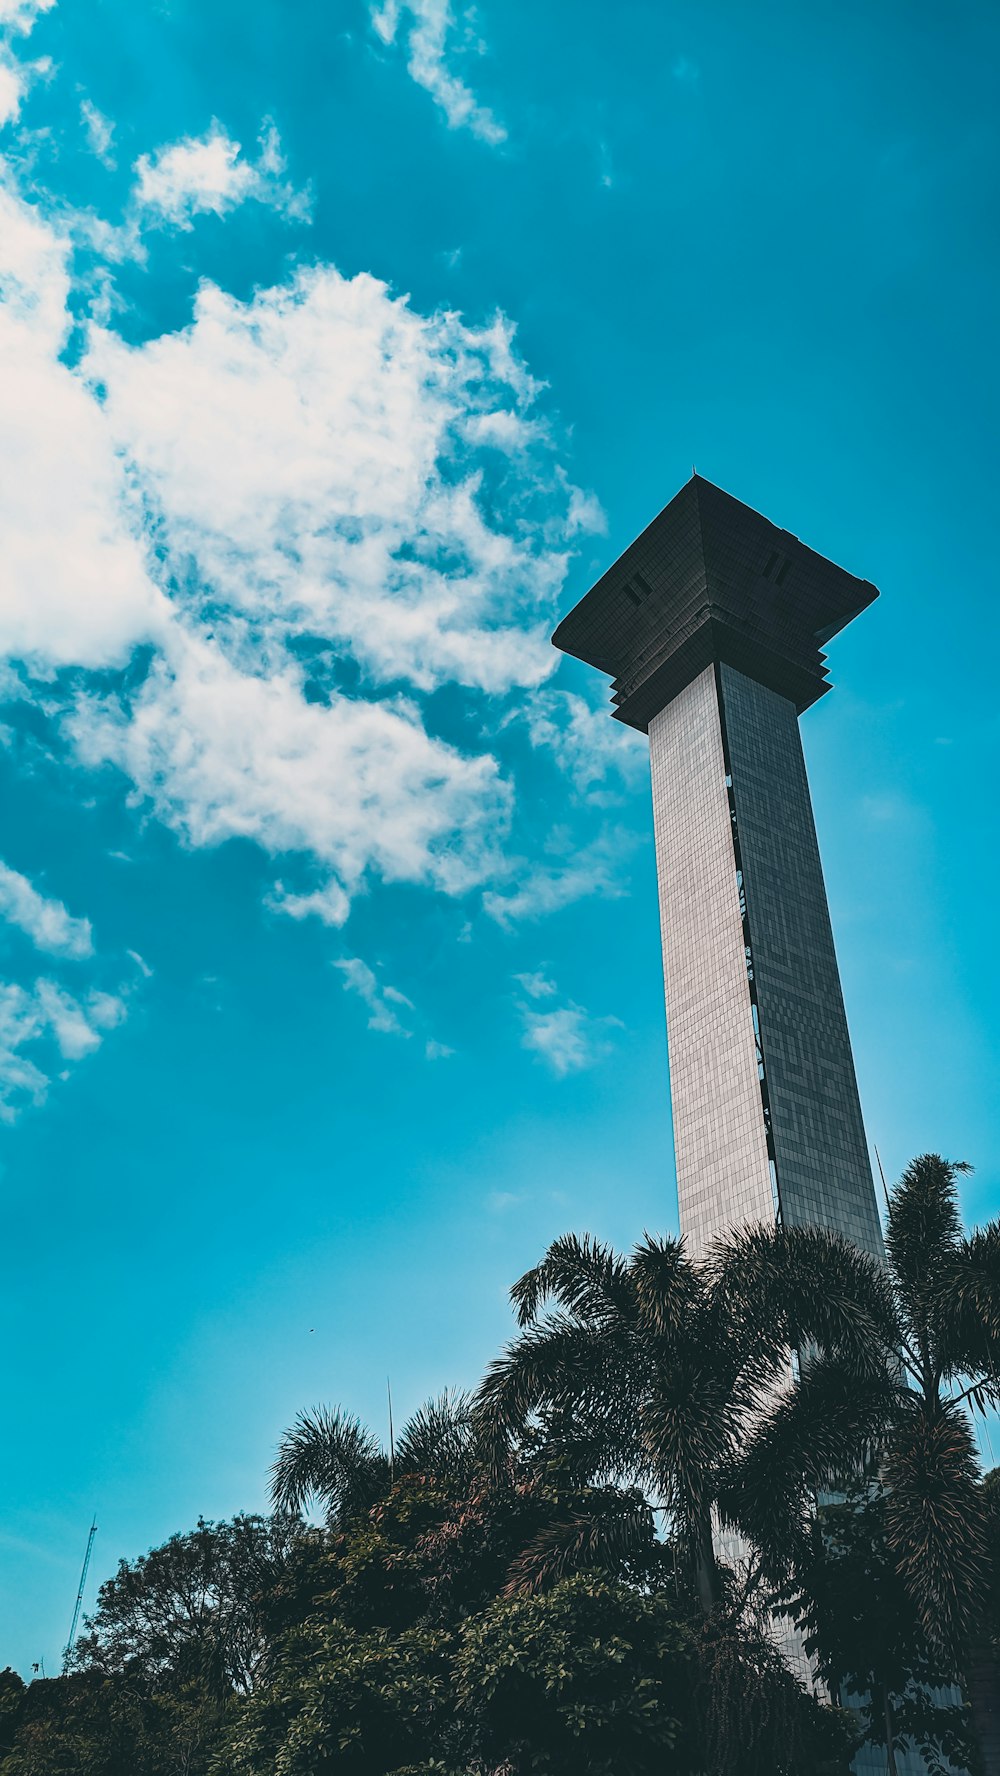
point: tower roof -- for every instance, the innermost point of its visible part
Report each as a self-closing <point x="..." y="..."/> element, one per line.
<point x="710" y="579"/>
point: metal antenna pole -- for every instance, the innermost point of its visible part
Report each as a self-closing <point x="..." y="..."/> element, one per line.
<point x="79" y="1596"/>
<point x="881" y="1174"/>
<point x="392" y="1440"/>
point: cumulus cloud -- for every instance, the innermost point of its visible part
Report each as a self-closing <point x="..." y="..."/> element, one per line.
<point x="210" y="175"/>
<point x="75" y="583"/>
<point x="332" y="489"/>
<point x="20" y="15"/>
<point x="45" y="921"/>
<point x="209" y="535"/>
<point x="329" y="486"/>
<point x="565" y="1036"/>
<point x="223" y="752"/>
<point x="383" y="1003"/>
<point x="433" y="37"/>
<point x="46" y="1019"/>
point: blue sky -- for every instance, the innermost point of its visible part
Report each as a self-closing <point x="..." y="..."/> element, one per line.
<point x="342" y="345"/>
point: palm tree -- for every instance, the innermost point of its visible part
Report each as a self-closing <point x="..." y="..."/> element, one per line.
<point x="697" y="1382"/>
<point x="945" y="1288"/>
<point x="330" y="1458"/>
<point x="942" y="1353"/>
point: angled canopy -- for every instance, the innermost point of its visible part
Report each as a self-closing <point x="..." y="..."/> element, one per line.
<point x="710" y="579"/>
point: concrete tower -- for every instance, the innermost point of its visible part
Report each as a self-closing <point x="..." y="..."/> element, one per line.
<point x="711" y="625"/>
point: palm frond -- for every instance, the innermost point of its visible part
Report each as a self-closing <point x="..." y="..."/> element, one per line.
<point x="923" y="1235"/>
<point x="616" y="1529"/>
<point x="583" y="1275"/>
<point x="557" y="1366"/>
<point x="438" y="1438"/>
<point x="821" y="1432"/>
<point x="967" y="1310"/>
<point x="668" y="1285"/>
<point x="786" y="1288"/>
<point x="331" y="1457"/>
<point x="935" y="1519"/>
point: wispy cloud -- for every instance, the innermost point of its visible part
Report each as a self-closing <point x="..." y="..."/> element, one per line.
<point x="565" y="1036"/>
<point x="384" y="1003"/>
<point x="587" y="742"/>
<point x="47" y="923"/>
<point x="99" y="131"/>
<point x="45" y="1017"/>
<point x="16" y="19"/>
<point x="544" y="887"/>
<point x="210" y="175"/>
<point x="433" y="38"/>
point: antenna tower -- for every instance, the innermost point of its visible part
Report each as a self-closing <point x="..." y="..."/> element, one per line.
<point x="79" y="1597"/>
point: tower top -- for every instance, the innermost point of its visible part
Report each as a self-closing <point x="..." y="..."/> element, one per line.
<point x="710" y="579"/>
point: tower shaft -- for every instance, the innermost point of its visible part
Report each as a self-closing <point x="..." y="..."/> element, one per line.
<point x="767" y="1118"/>
<point x="712" y="625"/>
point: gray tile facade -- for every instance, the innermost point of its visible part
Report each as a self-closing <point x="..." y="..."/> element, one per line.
<point x="773" y="946"/>
<point x="719" y="1139"/>
<point x="820" y="1150"/>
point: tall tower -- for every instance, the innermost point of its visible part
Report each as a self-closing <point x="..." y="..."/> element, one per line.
<point x="711" y="625"/>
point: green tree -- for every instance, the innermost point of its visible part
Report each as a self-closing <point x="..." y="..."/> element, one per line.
<point x="945" y="1288"/>
<point x="192" y="1609"/>
<point x="343" y="1703"/>
<point x="330" y="1458"/>
<point x="725" y="1387"/>
<point x="860" y="1626"/>
<point x="587" y="1679"/>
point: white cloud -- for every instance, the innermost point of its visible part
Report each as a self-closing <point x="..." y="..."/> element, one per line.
<point x="222" y="753"/>
<point x="73" y="581"/>
<point x="430" y="28"/>
<point x="17" y="18"/>
<point x="587" y="742"/>
<point x="305" y="466"/>
<point x="209" y="175"/>
<point x="99" y="130"/>
<point x="11" y="89"/>
<point x="380" y="1001"/>
<point x="20" y="15"/>
<point x="45" y="921"/>
<point x="537" y="986"/>
<point x="328" y="903"/>
<point x="329" y="485"/>
<point x="437" y="1051"/>
<point x="545" y="887"/>
<point x="31" y="1017"/>
<point x="566" y="1037"/>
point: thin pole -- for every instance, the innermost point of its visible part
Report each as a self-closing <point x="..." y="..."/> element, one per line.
<point x="881" y="1174"/>
<point x="79" y="1595"/>
<point x="392" y="1440"/>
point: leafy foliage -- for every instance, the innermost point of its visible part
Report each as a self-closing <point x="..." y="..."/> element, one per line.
<point x="496" y="1595"/>
<point x="191" y="1610"/>
<point x="680" y="1378"/>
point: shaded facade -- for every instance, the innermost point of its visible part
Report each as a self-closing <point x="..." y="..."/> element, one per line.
<point x="711" y="626"/>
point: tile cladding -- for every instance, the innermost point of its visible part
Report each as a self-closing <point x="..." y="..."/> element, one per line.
<point x="772" y="944"/>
